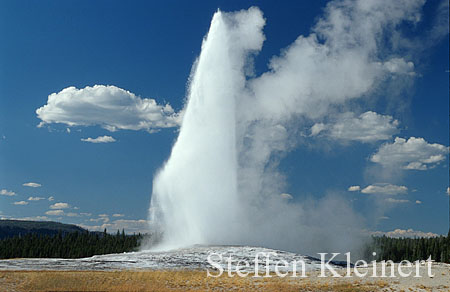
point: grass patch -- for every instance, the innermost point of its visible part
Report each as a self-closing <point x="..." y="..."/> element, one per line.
<point x="162" y="281"/>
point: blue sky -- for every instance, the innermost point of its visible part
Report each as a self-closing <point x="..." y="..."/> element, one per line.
<point x="148" y="48"/>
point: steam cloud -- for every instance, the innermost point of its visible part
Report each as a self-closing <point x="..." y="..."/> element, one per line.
<point x="221" y="184"/>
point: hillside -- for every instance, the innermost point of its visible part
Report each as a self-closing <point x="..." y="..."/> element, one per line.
<point x="10" y="228"/>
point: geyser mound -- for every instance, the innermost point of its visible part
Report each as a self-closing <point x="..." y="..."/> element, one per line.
<point x="190" y="258"/>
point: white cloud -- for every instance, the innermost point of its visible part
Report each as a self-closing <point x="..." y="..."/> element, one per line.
<point x="70" y="214"/>
<point x="448" y="191"/>
<point x="130" y="226"/>
<point x="118" y="215"/>
<point x="418" y="202"/>
<point x="108" y="106"/>
<point x="20" y="203"/>
<point x="367" y="127"/>
<point x="286" y="196"/>
<point x="384" y="189"/>
<point x="86" y="214"/>
<point x="59" y="206"/>
<point x="414" y="153"/>
<point x="405" y="233"/>
<point x="396" y="201"/>
<point x="354" y="188"/>
<point x="55" y="212"/>
<point x="33" y="218"/>
<point x="399" y="66"/>
<point x="7" y="193"/>
<point x="38" y="218"/>
<point x="51" y="198"/>
<point x="35" y="198"/>
<point x="104" y="217"/>
<point x="32" y="185"/>
<point x="100" y="139"/>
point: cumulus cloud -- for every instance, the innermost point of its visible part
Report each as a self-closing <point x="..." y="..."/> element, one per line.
<point x="100" y="139"/>
<point x="397" y="233"/>
<point x="418" y="202"/>
<point x="354" y="188"/>
<point x="118" y="215"/>
<point x="32" y="185"/>
<point x="7" y="193"/>
<point x="59" y="206"/>
<point x="110" y="107"/>
<point x="21" y="203"/>
<point x="35" y="198"/>
<point x="55" y="213"/>
<point x="384" y="189"/>
<point x="448" y="191"/>
<point x="396" y="201"/>
<point x="414" y="153"/>
<point x="51" y="198"/>
<point x="367" y="127"/>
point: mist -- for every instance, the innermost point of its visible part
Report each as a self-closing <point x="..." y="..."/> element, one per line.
<point x="221" y="183"/>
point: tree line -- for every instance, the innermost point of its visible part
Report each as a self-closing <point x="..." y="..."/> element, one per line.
<point x="86" y="244"/>
<point x="68" y="245"/>
<point x="411" y="249"/>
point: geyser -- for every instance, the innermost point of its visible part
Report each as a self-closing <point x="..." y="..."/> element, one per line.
<point x="221" y="184"/>
<point x="195" y="195"/>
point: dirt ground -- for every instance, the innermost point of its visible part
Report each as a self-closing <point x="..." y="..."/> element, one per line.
<point x="188" y="280"/>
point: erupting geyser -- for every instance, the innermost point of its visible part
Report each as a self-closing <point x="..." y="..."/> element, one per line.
<point x="195" y="195"/>
<point x="220" y="184"/>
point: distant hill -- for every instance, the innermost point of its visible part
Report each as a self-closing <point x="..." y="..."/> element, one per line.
<point x="10" y="228"/>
